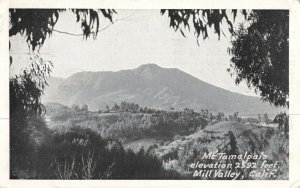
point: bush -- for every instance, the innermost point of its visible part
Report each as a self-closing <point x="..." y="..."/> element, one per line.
<point x="82" y="154"/>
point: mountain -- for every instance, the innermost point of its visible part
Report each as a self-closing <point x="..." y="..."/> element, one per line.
<point x="150" y="86"/>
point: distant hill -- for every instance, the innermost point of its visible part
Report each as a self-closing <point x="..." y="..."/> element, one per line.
<point x="150" y="86"/>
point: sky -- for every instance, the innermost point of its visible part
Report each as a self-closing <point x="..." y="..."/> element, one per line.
<point x="137" y="37"/>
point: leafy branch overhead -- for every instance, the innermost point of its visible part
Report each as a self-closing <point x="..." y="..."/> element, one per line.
<point x="201" y="20"/>
<point x="37" y="24"/>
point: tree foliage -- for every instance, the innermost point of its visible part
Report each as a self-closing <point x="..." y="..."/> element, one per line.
<point x="83" y="154"/>
<point x="260" y="55"/>
<point x="201" y="20"/>
<point x="27" y="87"/>
<point x="38" y="24"/>
<point x="283" y="121"/>
<point x="25" y="108"/>
<point x="128" y="122"/>
<point x="259" y="52"/>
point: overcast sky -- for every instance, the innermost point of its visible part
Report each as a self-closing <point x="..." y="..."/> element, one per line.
<point x="138" y="37"/>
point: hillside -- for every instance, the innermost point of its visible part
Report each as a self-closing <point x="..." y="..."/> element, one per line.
<point x="247" y="139"/>
<point x="180" y="138"/>
<point x="124" y="125"/>
<point x="152" y="86"/>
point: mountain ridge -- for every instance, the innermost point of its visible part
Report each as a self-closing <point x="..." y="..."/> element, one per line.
<point x="152" y="86"/>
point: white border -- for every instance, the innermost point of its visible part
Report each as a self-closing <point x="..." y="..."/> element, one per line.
<point x="292" y="5"/>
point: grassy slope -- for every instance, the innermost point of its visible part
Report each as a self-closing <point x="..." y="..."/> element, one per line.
<point x="249" y="138"/>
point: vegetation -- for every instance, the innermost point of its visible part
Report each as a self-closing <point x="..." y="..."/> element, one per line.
<point x="283" y="120"/>
<point x="36" y="32"/>
<point x="260" y="55"/>
<point x="202" y="20"/>
<point x="81" y="152"/>
<point x="260" y="48"/>
<point x="26" y="110"/>
<point x="251" y="139"/>
<point x="128" y="121"/>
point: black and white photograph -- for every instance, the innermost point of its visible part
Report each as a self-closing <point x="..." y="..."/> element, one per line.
<point x="151" y="94"/>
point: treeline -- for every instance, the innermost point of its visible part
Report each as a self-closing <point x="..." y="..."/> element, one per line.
<point x="135" y="108"/>
<point x="132" y="122"/>
<point x="131" y="107"/>
<point x="127" y="126"/>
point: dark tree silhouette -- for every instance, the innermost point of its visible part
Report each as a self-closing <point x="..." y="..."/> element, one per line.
<point x="27" y="87"/>
<point x="260" y="55"/>
<point x="35" y="25"/>
<point x="38" y="24"/>
<point x="25" y="110"/>
<point x="202" y="20"/>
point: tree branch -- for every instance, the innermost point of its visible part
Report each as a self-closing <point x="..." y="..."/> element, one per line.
<point x="104" y="28"/>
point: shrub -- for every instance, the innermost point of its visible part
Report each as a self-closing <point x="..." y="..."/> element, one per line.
<point x="82" y="154"/>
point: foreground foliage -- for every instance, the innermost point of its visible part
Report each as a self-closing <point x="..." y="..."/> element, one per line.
<point x="82" y="154"/>
<point x="260" y="55"/>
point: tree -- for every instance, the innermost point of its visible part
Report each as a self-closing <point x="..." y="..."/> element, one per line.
<point x="38" y="24"/>
<point x="283" y="121"/>
<point x="201" y="19"/>
<point x="107" y="108"/>
<point x="37" y="31"/>
<point x="26" y="89"/>
<point x="260" y="55"/>
<point x="85" y="108"/>
<point x="75" y="108"/>
<point x="259" y="52"/>
<point x="235" y="115"/>
<point x="25" y="110"/>
<point x="266" y="118"/>
<point x="220" y="116"/>
<point x="259" y="117"/>
<point x="116" y="107"/>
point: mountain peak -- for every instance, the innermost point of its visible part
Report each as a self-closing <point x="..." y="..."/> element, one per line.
<point x="148" y="70"/>
<point x="149" y="66"/>
<point x="151" y="86"/>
